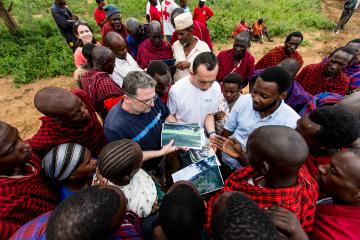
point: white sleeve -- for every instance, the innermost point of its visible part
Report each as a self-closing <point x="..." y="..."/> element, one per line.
<point x="172" y="105"/>
<point x="148" y="8"/>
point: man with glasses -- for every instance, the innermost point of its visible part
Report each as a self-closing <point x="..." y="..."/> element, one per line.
<point x="139" y="116"/>
<point x="114" y="23"/>
<point x="238" y="59"/>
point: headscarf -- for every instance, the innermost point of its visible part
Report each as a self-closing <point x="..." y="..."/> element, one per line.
<point x="62" y="161"/>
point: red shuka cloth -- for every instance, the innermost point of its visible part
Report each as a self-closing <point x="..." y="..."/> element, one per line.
<point x="226" y="64"/>
<point x="53" y="132"/>
<point x="299" y="199"/>
<point x="108" y="28"/>
<point x="100" y="86"/>
<point x="200" y="30"/>
<point x="312" y="79"/>
<point x="147" y="52"/>
<point x="154" y="14"/>
<point x="99" y="15"/>
<point x="201" y="14"/>
<point x="24" y="198"/>
<point x="313" y="162"/>
<point x="275" y="56"/>
<point x="338" y="222"/>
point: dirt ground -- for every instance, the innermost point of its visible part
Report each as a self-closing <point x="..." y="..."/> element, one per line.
<point x="17" y="106"/>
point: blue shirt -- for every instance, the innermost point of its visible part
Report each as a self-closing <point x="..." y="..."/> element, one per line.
<point x="244" y="119"/>
<point x="144" y="129"/>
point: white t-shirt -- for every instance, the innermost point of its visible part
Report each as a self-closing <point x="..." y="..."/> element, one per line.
<point x="189" y="104"/>
<point x="123" y="67"/>
<point x="168" y="7"/>
<point x="158" y="6"/>
<point x="179" y="55"/>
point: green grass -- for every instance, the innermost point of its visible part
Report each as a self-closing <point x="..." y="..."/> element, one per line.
<point x="41" y="52"/>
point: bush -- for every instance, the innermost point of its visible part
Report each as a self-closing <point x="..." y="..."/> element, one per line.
<point x="41" y="51"/>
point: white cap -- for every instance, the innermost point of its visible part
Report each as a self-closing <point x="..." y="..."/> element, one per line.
<point x="183" y="20"/>
<point x="202" y="0"/>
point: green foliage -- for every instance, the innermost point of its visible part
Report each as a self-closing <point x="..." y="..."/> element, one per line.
<point x="41" y="51"/>
<point x="281" y="16"/>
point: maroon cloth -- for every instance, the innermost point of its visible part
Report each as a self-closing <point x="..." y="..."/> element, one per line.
<point x="275" y="56"/>
<point x="147" y="52"/>
<point x="338" y="222"/>
<point x="226" y="64"/>
<point x="108" y="28"/>
<point x="24" y="198"/>
<point x="100" y="86"/>
<point x="313" y="162"/>
<point x="312" y="79"/>
<point x="299" y="199"/>
<point x="53" y="132"/>
<point x="200" y="30"/>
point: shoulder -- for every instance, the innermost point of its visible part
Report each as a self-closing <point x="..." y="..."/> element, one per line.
<point x="224" y="53"/>
<point x="243" y="102"/>
<point x="201" y="45"/>
<point x="181" y="84"/>
<point x="288" y="111"/>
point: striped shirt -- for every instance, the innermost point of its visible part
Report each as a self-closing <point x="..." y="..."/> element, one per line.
<point x="244" y="119"/>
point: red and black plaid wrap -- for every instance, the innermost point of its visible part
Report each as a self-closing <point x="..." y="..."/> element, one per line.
<point x="312" y="79"/>
<point x="275" y="56"/>
<point x="24" y="198"/>
<point x="100" y="86"/>
<point x="300" y="199"/>
<point x="53" y="132"/>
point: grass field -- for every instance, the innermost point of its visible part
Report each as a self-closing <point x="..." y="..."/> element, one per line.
<point x="41" y="52"/>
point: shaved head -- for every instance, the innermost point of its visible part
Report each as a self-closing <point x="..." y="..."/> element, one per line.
<point x="154" y="27"/>
<point x="113" y="37"/>
<point x="291" y="66"/>
<point x="104" y="59"/>
<point x="243" y="36"/>
<point x="132" y="24"/>
<point x="281" y="147"/>
<point x="59" y="103"/>
<point x="352" y="102"/>
<point x="117" y="44"/>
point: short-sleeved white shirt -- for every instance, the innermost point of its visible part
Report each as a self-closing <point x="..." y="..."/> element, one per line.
<point x="179" y="55"/>
<point x="189" y="104"/>
<point x="244" y="119"/>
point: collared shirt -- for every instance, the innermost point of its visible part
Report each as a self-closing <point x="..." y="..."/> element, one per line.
<point x="123" y="67"/>
<point x="179" y="55"/>
<point x="244" y="119"/>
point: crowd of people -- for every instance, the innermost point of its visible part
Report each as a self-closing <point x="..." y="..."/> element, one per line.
<point x="95" y="169"/>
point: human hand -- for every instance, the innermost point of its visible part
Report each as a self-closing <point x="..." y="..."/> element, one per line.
<point x="168" y="148"/>
<point x="219" y="115"/>
<point x="182" y="65"/>
<point x="229" y="146"/>
<point x="287" y="223"/>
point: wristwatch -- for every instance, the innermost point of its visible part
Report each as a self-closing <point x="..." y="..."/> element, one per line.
<point x="210" y="133"/>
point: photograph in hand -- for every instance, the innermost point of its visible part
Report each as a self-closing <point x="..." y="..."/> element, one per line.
<point x="184" y="135"/>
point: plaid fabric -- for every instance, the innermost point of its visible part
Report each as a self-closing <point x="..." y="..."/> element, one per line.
<point x="353" y="72"/>
<point x="311" y="78"/>
<point x="35" y="229"/>
<point x="320" y="100"/>
<point x="53" y="133"/>
<point x="300" y="199"/>
<point x="100" y="86"/>
<point x="275" y="56"/>
<point x="24" y="198"/>
<point x="226" y="64"/>
<point x="147" y="52"/>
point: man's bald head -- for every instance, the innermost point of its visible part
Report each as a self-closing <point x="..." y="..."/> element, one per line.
<point x="291" y="66"/>
<point x="104" y="59"/>
<point x="59" y="103"/>
<point x="283" y="148"/>
<point x="155" y="33"/>
<point x="352" y="102"/>
<point x="117" y="44"/>
<point x="243" y="36"/>
<point x="132" y="24"/>
<point x="155" y="27"/>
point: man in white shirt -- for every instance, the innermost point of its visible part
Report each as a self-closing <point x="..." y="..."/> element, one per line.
<point x="193" y="97"/>
<point x="168" y="7"/>
<point x="124" y="62"/>
<point x="187" y="47"/>
<point x="264" y="106"/>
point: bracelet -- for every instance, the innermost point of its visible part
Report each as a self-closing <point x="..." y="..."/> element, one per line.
<point x="210" y="133"/>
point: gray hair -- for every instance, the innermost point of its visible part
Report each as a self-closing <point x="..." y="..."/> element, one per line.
<point x="135" y="80"/>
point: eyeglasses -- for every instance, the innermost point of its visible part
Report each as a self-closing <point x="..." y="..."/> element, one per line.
<point x="146" y="102"/>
